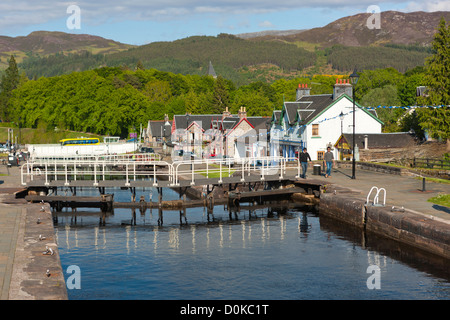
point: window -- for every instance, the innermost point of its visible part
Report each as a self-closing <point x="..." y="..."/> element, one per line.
<point x="320" y="155"/>
<point x="315" y="129"/>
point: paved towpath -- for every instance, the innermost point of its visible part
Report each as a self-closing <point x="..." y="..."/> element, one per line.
<point x="401" y="190"/>
<point x="23" y="264"/>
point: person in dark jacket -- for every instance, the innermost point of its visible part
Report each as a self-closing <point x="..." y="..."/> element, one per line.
<point x="304" y="156"/>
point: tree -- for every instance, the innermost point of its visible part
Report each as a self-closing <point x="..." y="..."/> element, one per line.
<point x="221" y="96"/>
<point x="386" y="97"/>
<point x="10" y="81"/>
<point x="438" y="67"/>
<point x="437" y="120"/>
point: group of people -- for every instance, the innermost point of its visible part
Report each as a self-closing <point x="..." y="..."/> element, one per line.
<point x="328" y="159"/>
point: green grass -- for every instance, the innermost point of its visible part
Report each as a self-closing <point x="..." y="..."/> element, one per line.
<point x="442" y="200"/>
<point x="215" y="173"/>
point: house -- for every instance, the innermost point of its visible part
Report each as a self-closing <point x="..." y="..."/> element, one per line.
<point x="375" y="146"/>
<point x="158" y="131"/>
<point x="316" y="121"/>
<point x="219" y="135"/>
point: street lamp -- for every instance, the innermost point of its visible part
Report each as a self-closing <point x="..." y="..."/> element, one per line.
<point x="354" y="77"/>
<point x="341" y="116"/>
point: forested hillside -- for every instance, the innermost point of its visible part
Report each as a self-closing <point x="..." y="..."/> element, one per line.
<point x="187" y="56"/>
<point x="399" y="57"/>
<point x="241" y="61"/>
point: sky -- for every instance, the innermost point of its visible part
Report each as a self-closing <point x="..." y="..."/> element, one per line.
<point x="140" y="22"/>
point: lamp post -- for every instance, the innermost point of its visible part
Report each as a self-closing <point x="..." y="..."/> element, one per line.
<point x="341" y="116"/>
<point x="354" y="77"/>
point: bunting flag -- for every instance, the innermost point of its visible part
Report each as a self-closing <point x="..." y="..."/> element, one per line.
<point x="406" y="107"/>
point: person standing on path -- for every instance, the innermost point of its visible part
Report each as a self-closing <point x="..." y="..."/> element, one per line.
<point x="304" y="156"/>
<point x="329" y="160"/>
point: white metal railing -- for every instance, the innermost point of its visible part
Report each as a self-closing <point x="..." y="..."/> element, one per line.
<point x="110" y="168"/>
<point x="112" y="159"/>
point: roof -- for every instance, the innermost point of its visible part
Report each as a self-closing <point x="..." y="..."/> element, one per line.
<point x="276" y="116"/>
<point x="306" y="109"/>
<point x="226" y="124"/>
<point x="259" y="123"/>
<point x="157" y="128"/>
<point x="381" y="140"/>
<point x="181" y="121"/>
<point x="211" y="71"/>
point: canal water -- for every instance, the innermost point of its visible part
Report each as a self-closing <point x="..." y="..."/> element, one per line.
<point x="278" y="252"/>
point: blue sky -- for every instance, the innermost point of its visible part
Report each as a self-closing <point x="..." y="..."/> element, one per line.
<point x="141" y="21"/>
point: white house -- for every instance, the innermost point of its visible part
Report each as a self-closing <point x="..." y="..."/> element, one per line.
<point x="317" y="121"/>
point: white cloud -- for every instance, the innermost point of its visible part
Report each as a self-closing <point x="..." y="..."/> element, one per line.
<point x="429" y="6"/>
<point x="266" y="24"/>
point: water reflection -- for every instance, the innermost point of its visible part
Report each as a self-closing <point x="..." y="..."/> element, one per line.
<point x="221" y="226"/>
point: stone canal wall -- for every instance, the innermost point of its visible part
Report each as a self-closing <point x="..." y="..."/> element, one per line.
<point x="427" y="233"/>
<point x="37" y="273"/>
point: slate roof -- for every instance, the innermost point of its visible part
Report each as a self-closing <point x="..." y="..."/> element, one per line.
<point x="204" y="120"/>
<point x="259" y="122"/>
<point x="381" y="140"/>
<point x="227" y="123"/>
<point x="309" y="107"/>
<point x="156" y="127"/>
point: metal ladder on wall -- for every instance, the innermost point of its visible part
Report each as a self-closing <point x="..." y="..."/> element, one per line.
<point x="376" y="198"/>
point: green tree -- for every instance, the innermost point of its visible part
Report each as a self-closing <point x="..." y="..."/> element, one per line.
<point x="10" y="81"/>
<point x="437" y="77"/>
<point x="385" y="97"/>
<point x="221" y="96"/>
<point x="437" y="120"/>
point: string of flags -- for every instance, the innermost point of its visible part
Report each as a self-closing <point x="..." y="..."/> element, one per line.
<point x="407" y="107"/>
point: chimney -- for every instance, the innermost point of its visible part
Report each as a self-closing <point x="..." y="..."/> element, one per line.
<point x="226" y="113"/>
<point x="341" y="87"/>
<point x="303" y="90"/>
<point x="242" y="113"/>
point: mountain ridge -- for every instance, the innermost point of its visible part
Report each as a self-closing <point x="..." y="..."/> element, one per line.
<point x="413" y="28"/>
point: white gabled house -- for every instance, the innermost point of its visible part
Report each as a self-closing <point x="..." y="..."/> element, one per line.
<point x="317" y="121"/>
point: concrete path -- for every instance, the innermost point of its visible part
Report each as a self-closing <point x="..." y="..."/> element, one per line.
<point x="400" y="190"/>
<point x="23" y="264"/>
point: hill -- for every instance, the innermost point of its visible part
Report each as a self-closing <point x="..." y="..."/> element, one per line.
<point x="44" y="43"/>
<point x="191" y="55"/>
<point x="414" y="28"/>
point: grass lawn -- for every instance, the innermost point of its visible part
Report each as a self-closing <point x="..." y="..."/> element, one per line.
<point x="216" y="174"/>
<point x="442" y="200"/>
<point x="214" y="171"/>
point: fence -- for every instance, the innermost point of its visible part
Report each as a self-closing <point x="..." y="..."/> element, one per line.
<point x="431" y="163"/>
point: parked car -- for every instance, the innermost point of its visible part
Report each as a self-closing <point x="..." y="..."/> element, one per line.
<point x="13" y="160"/>
<point x="147" y="150"/>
